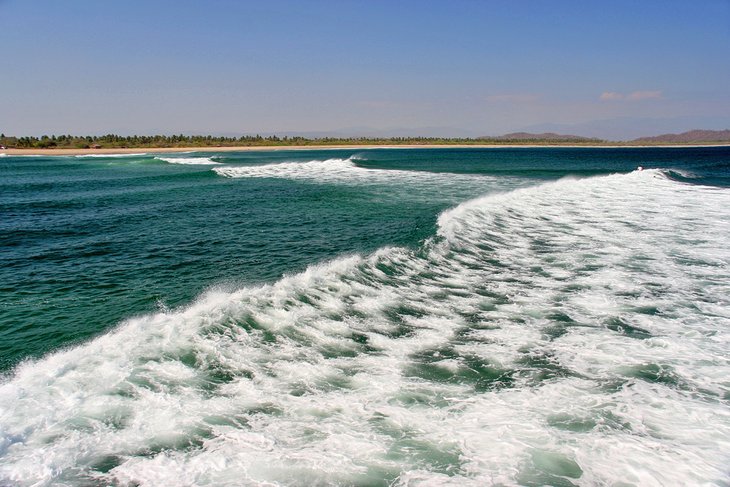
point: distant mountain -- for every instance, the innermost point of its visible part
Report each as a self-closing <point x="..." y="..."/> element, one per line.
<point x="693" y="136"/>
<point x="544" y="136"/>
<point x="629" y="128"/>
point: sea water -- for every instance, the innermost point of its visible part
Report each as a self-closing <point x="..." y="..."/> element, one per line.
<point x="366" y="317"/>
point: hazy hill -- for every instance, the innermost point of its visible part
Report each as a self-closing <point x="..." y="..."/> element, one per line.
<point x="693" y="136"/>
<point x="544" y="136"/>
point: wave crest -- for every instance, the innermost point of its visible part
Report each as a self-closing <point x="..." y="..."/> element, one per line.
<point x="200" y="161"/>
<point x="328" y="169"/>
<point x="104" y="156"/>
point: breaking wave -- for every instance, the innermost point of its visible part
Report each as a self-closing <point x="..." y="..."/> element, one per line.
<point x="326" y="170"/>
<point x="347" y="171"/>
<point x="104" y="156"/>
<point x="571" y="332"/>
<point x="203" y="161"/>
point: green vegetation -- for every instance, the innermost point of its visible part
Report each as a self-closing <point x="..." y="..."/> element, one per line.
<point x="112" y="141"/>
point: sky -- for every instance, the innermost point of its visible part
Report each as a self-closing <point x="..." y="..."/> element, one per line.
<point x="612" y="69"/>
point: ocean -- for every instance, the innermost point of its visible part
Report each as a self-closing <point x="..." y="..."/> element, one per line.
<point x="366" y="317"/>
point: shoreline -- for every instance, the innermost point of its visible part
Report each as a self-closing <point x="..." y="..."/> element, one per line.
<point x="164" y="150"/>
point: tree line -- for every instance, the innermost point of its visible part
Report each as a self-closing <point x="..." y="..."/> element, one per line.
<point x="169" y="141"/>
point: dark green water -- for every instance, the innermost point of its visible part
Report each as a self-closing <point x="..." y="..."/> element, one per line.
<point x="87" y="242"/>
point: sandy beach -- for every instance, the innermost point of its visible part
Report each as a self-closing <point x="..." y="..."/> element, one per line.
<point x="163" y="150"/>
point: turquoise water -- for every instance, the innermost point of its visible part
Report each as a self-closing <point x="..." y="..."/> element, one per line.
<point x="366" y="317"/>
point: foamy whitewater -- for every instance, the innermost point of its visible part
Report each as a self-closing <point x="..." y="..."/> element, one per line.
<point x="110" y="156"/>
<point x="205" y="161"/>
<point x="571" y="333"/>
<point x="347" y="172"/>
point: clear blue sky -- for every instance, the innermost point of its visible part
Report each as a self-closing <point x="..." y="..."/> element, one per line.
<point x="452" y="67"/>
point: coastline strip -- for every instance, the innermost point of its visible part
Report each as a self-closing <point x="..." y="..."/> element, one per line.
<point x="163" y="150"/>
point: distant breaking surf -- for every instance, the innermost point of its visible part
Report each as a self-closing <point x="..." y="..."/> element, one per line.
<point x="111" y="155"/>
<point x="346" y="171"/>
<point x="202" y="161"/>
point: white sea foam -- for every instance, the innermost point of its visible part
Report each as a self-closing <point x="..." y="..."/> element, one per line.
<point x="104" y="156"/>
<point x="327" y="170"/>
<point x="346" y="171"/>
<point x="202" y="161"/>
<point x="577" y="331"/>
